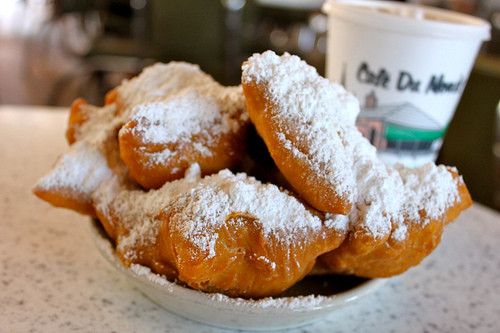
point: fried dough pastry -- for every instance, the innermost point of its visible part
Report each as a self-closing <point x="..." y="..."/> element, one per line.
<point x="413" y="234"/>
<point x="299" y="118"/>
<point x="397" y="215"/>
<point x="222" y="233"/>
<point x="78" y="115"/>
<point x="160" y="140"/>
<point x="178" y="115"/>
<point x="92" y="159"/>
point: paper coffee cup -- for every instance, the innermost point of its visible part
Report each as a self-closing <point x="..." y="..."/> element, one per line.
<point x="407" y="65"/>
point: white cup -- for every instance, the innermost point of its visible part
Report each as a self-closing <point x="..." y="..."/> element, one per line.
<point x="407" y="65"/>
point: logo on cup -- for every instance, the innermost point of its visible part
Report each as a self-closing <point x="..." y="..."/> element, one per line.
<point x="401" y="128"/>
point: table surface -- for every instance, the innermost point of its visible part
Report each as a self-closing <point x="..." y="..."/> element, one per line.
<point x="52" y="279"/>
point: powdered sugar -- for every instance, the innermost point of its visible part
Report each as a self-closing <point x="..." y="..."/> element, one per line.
<point x="136" y="209"/>
<point x="391" y="197"/>
<point x="161" y="81"/>
<point x="80" y="170"/>
<point x="151" y="276"/>
<point x="289" y="303"/>
<point x="175" y="121"/>
<point x="166" y="121"/>
<point x="296" y="303"/>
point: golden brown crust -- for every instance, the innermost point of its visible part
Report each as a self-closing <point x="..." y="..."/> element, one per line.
<point x="77" y="117"/>
<point x="111" y="97"/>
<point x="66" y="198"/>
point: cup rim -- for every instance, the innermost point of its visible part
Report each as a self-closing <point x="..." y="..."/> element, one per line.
<point x="454" y="25"/>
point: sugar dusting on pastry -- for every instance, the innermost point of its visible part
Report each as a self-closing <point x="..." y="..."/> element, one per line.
<point x="205" y="208"/>
<point x="178" y="115"/>
<point x="315" y="109"/>
<point x="160" y="80"/>
<point x="161" y="123"/>
<point x="84" y="167"/>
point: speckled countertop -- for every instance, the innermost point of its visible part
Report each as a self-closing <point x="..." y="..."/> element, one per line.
<point x="52" y="279"/>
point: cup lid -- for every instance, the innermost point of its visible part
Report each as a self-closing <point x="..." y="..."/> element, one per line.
<point x="409" y="19"/>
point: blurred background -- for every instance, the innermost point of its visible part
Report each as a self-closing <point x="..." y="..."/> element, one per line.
<point x="52" y="51"/>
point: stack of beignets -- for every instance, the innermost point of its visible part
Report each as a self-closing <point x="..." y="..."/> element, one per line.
<point x="160" y="166"/>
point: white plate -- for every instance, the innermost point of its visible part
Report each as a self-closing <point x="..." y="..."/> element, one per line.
<point x="308" y="301"/>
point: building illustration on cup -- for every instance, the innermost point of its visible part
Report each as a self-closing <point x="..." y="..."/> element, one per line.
<point x="401" y="129"/>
